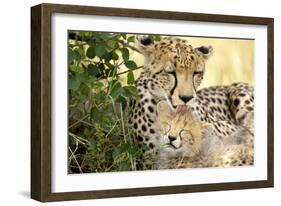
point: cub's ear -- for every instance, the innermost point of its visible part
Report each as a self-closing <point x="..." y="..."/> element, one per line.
<point x="163" y="111"/>
<point x="205" y="51"/>
<point x="207" y="128"/>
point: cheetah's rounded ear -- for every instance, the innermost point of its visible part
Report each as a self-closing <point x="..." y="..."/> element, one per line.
<point x="205" y="51"/>
<point x="145" y="44"/>
<point x="145" y="40"/>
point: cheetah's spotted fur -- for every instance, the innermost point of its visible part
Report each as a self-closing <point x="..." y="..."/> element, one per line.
<point x="173" y="70"/>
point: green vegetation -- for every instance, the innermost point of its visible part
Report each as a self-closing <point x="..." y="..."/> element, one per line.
<point x="101" y="80"/>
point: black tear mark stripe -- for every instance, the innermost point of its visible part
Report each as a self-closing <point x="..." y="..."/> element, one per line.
<point x="176" y="82"/>
<point x="193" y="82"/>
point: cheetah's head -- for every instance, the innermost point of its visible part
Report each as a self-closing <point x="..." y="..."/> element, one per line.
<point x="176" y="69"/>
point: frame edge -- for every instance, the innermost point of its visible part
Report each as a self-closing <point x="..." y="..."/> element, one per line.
<point x="36" y="138"/>
<point x="41" y="107"/>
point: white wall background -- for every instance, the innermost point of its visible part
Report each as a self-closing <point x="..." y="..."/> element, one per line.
<point x="15" y="102"/>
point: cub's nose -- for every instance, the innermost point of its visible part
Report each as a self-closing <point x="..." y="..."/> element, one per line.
<point x="171" y="138"/>
<point x="185" y="98"/>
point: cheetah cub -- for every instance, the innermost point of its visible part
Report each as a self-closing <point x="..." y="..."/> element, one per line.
<point x="186" y="142"/>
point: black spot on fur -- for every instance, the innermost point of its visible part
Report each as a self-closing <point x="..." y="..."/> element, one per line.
<point x="150" y="109"/>
<point x="236" y="102"/>
<point x="152" y="131"/>
<point x="249" y="108"/>
<point x="139" y="138"/>
<point x="151" y="145"/>
<point x="143" y="127"/>
<point x="135" y="126"/>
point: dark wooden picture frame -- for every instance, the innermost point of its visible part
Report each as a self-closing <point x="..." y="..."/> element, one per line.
<point x="41" y="101"/>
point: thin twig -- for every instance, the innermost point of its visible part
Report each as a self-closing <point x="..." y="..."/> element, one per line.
<point x="129" y="70"/>
<point x="130" y="46"/>
<point x="122" y="122"/>
<point x="78" y="121"/>
<point x="80" y="170"/>
<point x="79" y="139"/>
<point x="111" y="129"/>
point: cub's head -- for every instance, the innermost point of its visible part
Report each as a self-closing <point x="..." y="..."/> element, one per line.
<point x="175" y="68"/>
<point x="182" y="133"/>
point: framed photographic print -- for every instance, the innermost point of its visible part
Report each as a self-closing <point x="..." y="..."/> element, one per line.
<point x="130" y="102"/>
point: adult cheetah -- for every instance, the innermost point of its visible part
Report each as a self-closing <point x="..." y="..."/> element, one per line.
<point x="173" y="70"/>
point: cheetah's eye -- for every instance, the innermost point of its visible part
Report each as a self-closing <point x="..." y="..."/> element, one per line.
<point x="169" y="70"/>
<point x="197" y="73"/>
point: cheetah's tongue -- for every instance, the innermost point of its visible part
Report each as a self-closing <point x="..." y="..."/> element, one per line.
<point x="180" y="108"/>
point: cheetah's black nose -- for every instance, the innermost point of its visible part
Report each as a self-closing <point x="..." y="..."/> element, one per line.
<point x="185" y="98"/>
<point x="172" y="138"/>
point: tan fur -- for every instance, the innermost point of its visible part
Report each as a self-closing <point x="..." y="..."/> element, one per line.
<point x="207" y="150"/>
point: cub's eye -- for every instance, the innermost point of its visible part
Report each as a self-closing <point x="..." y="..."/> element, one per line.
<point x="197" y="72"/>
<point x="184" y="133"/>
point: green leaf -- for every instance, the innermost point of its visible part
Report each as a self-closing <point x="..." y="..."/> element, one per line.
<point x="91" y="52"/>
<point x="84" y="89"/>
<point x="98" y="84"/>
<point x="100" y="50"/>
<point x="111" y="44"/>
<point x="76" y="69"/>
<point x="116" y="152"/>
<point x="116" y="89"/>
<point x="93" y="70"/>
<point x="157" y="38"/>
<point x="110" y="66"/>
<point x="130" y="91"/>
<point x="96" y="114"/>
<point x="114" y="56"/>
<point x="125" y="54"/>
<point x="71" y="55"/>
<point x="130" y="78"/>
<point x="131" y="65"/>
<point x="124" y="35"/>
<point x="131" y="39"/>
<point x="81" y="52"/>
<point x="73" y="84"/>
